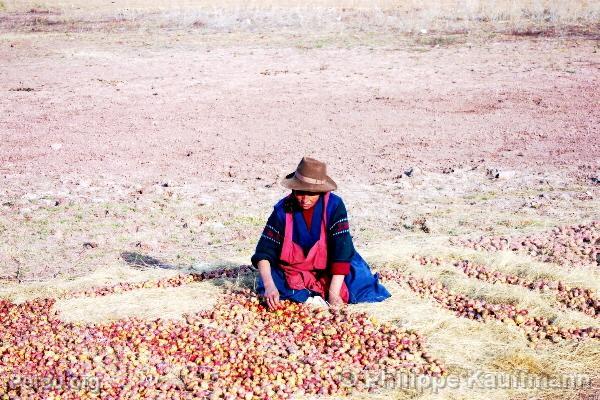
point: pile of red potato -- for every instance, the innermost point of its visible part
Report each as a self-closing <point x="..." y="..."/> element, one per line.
<point x="575" y="298"/>
<point x="536" y="328"/>
<point x="238" y="350"/>
<point x="566" y="245"/>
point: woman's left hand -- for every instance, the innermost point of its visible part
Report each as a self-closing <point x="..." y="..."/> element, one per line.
<point x="335" y="300"/>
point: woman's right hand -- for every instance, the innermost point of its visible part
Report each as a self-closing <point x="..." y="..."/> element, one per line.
<point x="272" y="296"/>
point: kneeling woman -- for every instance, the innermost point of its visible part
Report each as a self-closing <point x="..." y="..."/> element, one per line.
<point x="306" y="249"/>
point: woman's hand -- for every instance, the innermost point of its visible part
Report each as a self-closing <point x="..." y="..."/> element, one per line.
<point x="335" y="287"/>
<point x="272" y="296"/>
<point x="271" y="292"/>
<point x="335" y="300"/>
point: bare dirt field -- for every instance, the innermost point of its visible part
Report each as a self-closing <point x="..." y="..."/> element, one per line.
<point x="140" y="143"/>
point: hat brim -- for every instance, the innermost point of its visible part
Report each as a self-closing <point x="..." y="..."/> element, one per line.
<point x="291" y="182"/>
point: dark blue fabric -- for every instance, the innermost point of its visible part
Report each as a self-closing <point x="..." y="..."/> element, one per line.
<point x="364" y="287"/>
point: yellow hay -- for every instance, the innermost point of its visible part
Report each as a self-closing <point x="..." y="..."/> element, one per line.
<point x="166" y="303"/>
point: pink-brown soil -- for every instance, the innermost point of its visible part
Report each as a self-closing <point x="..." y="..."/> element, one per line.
<point x="242" y="114"/>
<point x="172" y="145"/>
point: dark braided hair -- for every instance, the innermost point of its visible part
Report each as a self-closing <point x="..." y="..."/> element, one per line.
<point x="290" y="204"/>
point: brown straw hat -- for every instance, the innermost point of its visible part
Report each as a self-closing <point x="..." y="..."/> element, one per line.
<point x="311" y="176"/>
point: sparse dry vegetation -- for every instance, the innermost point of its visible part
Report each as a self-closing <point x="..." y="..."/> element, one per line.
<point x="342" y="19"/>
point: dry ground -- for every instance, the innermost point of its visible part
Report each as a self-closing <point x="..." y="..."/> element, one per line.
<point x="162" y="130"/>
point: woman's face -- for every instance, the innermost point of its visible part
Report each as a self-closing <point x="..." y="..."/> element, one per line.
<point x="306" y="199"/>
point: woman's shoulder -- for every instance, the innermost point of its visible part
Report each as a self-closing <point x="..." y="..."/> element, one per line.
<point x="280" y="207"/>
<point x="334" y="201"/>
<point x="335" y="198"/>
<point x="281" y="203"/>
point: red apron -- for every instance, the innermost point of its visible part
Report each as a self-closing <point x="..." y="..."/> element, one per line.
<point x="308" y="272"/>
